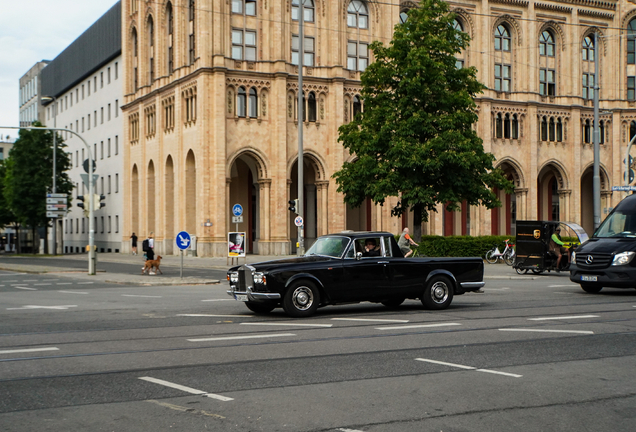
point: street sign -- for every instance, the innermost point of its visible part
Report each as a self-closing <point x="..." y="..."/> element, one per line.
<point x="56" y="207"/>
<point x="183" y="240"/>
<point x="85" y="179"/>
<point x="237" y="219"/>
<point x="56" y="200"/>
<point x="298" y="221"/>
<point x="56" y="195"/>
<point x="85" y="165"/>
<point x="624" y="188"/>
<point x="55" y="214"/>
<point x="237" y="210"/>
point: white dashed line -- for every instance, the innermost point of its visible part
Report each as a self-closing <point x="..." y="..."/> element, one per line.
<point x="217" y="316"/>
<point x="561" y="286"/>
<point x="370" y="320"/>
<point x="547" y="331"/>
<point x="469" y="367"/>
<point x="242" y="337"/>
<point x="143" y="296"/>
<point x="25" y="288"/>
<point x="85" y="283"/>
<point x="417" y="326"/>
<point x="215" y="300"/>
<point x="72" y="292"/>
<point x="498" y="289"/>
<point x="30" y="280"/>
<point x="186" y="389"/>
<point x="43" y="307"/>
<point x="349" y="430"/>
<point x="563" y="317"/>
<point x="287" y="324"/>
<point x="11" y="281"/>
<point x="42" y="284"/>
<point x="64" y="283"/>
<point x="26" y="350"/>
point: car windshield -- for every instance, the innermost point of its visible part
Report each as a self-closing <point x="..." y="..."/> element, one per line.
<point x="333" y="246"/>
<point x="617" y="224"/>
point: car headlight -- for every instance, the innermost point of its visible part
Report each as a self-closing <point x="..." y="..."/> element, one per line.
<point x="573" y="257"/>
<point x="233" y="277"/>
<point x="259" y="278"/>
<point x="623" y="258"/>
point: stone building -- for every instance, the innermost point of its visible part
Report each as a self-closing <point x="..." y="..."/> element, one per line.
<point x="31" y="95"/>
<point x="210" y="115"/>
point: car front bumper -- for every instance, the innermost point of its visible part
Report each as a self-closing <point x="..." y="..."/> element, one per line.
<point x="611" y="277"/>
<point x="249" y="295"/>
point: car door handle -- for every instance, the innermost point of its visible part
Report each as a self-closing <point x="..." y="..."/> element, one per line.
<point x="383" y="262"/>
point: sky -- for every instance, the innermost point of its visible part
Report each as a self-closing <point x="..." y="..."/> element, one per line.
<point x="35" y="30"/>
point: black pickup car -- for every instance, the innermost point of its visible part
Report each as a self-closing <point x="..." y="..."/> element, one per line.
<point x="351" y="267"/>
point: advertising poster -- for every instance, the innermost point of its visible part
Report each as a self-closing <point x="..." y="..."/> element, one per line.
<point x="236" y="244"/>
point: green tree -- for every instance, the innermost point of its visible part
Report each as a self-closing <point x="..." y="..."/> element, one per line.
<point x="415" y="139"/>
<point x="28" y="176"/>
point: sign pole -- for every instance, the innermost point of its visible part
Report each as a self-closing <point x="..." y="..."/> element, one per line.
<point x="181" y="272"/>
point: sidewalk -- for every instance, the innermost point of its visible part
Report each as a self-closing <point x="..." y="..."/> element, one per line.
<point x="491" y="271"/>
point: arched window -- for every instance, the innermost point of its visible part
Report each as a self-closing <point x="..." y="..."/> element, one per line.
<point x="632" y="130"/>
<point x="403" y="16"/>
<point x="151" y="50"/>
<point x="357" y="106"/>
<point x="515" y="127"/>
<point x="601" y="130"/>
<point x="308" y="10"/>
<point x="241" y="102"/>
<point x="552" y="129"/>
<point x="135" y="52"/>
<point x="311" y="107"/>
<point x="253" y="103"/>
<point x="588" y="78"/>
<point x="544" y="129"/>
<point x="459" y="63"/>
<point x="507" y="126"/>
<point x="631" y="42"/>
<point x="587" y="132"/>
<point x="588" y="49"/>
<point x="357" y="15"/>
<point x="499" y="126"/>
<point x="191" y="38"/>
<point x="559" y="130"/>
<point x="502" y="39"/>
<point x="170" y="41"/>
<point x="546" y="44"/>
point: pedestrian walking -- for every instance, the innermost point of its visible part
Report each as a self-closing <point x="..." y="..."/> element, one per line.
<point x="133" y="239"/>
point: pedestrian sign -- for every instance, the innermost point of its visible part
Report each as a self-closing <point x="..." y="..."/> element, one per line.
<point x="183" y="240"/>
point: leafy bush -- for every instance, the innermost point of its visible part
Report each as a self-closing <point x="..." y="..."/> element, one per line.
<point x="460" y="246"/>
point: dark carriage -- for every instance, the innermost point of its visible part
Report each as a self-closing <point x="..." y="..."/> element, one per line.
<point x="533" y="251"/>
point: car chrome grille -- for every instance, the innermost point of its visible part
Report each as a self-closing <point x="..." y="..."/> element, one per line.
<point x="593" y="260"/>
<point x="245" y="279"/>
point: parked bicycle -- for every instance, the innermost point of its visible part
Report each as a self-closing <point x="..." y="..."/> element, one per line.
<point x="507" y="256"/>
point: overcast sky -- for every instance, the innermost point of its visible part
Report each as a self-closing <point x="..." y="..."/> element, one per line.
<point x="34" y="30"/>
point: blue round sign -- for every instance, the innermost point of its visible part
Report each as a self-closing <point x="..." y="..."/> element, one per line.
<point x="237" y="210"/>
<point x="183" y="240"/>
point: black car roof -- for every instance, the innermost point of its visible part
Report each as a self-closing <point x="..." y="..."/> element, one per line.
<point x="359" y="234"/>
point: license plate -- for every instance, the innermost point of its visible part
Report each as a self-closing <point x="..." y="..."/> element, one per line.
<point x="589" y="278"/>
<point x="241" y="297"/>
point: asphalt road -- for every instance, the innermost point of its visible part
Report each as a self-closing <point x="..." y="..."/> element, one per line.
<point x="531" y="355"/>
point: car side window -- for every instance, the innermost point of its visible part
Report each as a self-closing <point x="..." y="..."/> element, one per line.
<point x="370" y="247"/>
<point x="386" y="241"/>
<point x="351" y="253"/>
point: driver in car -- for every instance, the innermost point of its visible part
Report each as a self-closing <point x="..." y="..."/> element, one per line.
<point x="371" y="249"/>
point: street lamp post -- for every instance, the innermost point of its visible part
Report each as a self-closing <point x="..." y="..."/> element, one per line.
<point x="91" y="195"/>
<point x="54" y="188"/>
<point x="596" y="178"/>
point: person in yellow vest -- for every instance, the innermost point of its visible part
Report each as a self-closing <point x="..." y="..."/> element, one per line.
<point x="558" y="247"/>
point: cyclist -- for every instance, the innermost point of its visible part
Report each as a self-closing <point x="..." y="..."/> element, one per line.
<point x="558" y="247"/>
<point x="404" y="243"/>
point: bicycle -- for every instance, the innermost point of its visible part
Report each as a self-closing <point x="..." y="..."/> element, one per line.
<point x="508" y="255"/>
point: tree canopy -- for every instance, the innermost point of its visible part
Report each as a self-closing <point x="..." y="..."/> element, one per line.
<point x="415" y="138"/>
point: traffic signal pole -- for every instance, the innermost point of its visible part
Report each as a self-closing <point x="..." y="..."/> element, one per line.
<point x="91" y="199"/>
<point x="301" y="99"/>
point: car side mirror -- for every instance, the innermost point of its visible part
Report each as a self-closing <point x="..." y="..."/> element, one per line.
<point x="358" y="255"/>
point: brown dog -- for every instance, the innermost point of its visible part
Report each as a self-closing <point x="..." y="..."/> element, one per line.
<point x="152" y="264"/>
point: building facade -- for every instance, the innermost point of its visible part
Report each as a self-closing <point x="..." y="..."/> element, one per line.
<point x="210" y="112"/>
<point x="30" y="95"/>
<point x="86" y="82"/>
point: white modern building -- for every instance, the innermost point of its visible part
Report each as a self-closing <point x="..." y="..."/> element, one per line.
<point x="30" y="94"/>
<point x="84" y="84"/>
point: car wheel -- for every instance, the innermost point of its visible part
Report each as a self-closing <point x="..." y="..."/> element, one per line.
<point x="537" y="271"/>
<point x="521" y="270"/>
<point x="438" y="293"/>
<point x="301" y="299"/>
<point x="260" y="308"/>
<point x="592" y="289"/>
<point x="490" y="258"/>
<point x="393" y="303"/>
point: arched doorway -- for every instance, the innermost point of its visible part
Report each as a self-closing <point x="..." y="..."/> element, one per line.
<point x="191" y="194"/>
<point x="550" y="184"/>
<point x="150" y="211"/>
<point x="169" y="227"/>
<point x="315" y="202"/>
<point x="504" y="218"/>
<point x="244" y="190"/>
<point x="134" y="184"/>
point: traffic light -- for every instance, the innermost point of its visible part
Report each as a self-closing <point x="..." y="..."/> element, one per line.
<point x="293" y="205"/>
<point x="80" y="201"/>
<point x="97" y="201"/>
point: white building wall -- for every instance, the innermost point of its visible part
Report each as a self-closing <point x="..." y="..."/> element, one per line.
<point x="91" y="108"/>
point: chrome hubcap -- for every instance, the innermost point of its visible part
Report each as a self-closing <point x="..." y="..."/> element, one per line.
<point x="439" y="292"/>
<point x="303" y="298"/>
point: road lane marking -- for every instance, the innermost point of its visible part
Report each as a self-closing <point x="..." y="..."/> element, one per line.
<point x="217" y="316"/>
<point x="563" y="317"/>
<point x="25" y="288"/>
<point x="214" y="300"/>
<point x="561" y="286"/>
<point x="349" y="430"/>
<point x="64" y="283"/>
<point x="499" y="373"/>
<point x="30" y="280"/>
<point x="43" y="307"/>
<point x="85" y="283"/>
<point x="72" y="292"/>
<point x="547" y="331"/>
<point x="469" y="367"/>
<point x="185" y="409"/>
<point x="42" y="284"/>
<point x="26" y="350"/>
<point x="186" y="389"/>
<point x="11" y="280"/>
<point x="371" y="320"/>
<point x="498" y="289"/>
<point x="143" y="296"/>
<point x="241" y="337"/>
<point x="417" y="326"/>
<point x="288" y="324"/>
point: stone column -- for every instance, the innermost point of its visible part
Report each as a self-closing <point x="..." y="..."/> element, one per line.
<point x="310" y="217"/>
<point x="564" y="204"/>
<point x="522" y="197"/>
<point x="264" y="188"/>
